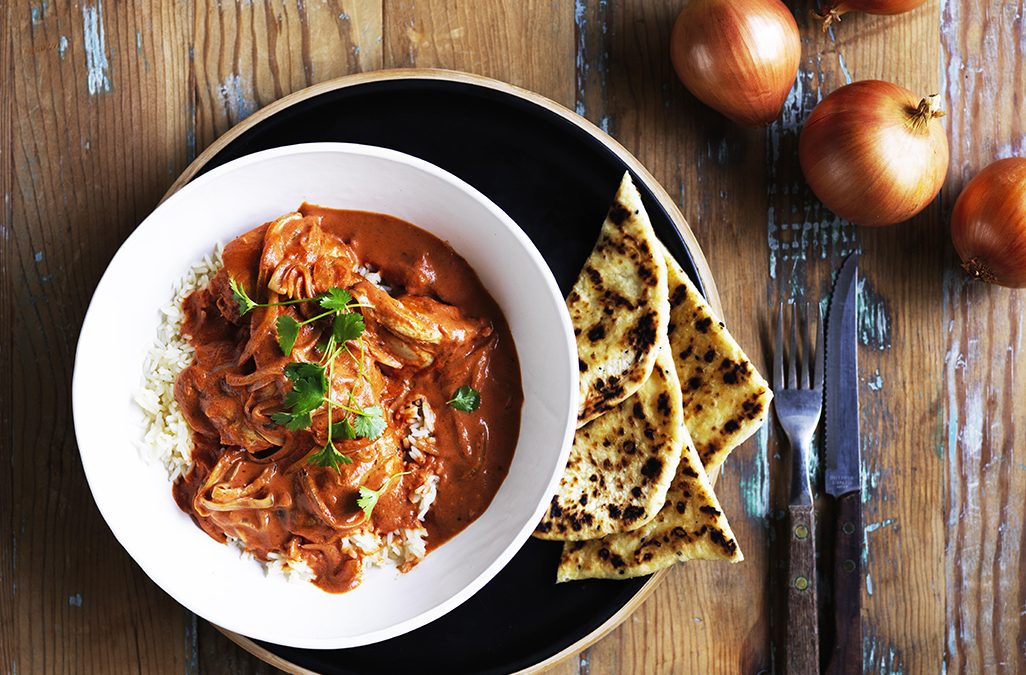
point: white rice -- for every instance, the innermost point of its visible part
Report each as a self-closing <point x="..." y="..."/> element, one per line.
<point x="279" y="565"/>
<point x="166" y="437"/>
<point x="374" y="277"/>
<point x="424" y="496"/>
<point x="420" y="441"/>
<point x="402" y="547"/>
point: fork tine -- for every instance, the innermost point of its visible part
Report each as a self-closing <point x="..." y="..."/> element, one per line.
<point x="805" y="376"/>
<point x="818" y="377"/>
<point x="792" y="365"/>
<point x="778" y="356"/>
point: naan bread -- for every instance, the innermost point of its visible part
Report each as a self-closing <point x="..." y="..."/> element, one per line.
<point x="622" y="464"/>
<point x="690" y="526"/>
<point x="619" y="307"/>
<point x="725" y="398"/>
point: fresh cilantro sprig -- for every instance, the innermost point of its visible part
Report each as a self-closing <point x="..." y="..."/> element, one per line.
<point x="347" y="324"/>
<point x="311" y="381"/>
<point x="466" y="399"/>
<point x="368" y="498"/>
<point x="288" y="330"/>
<point x="309" y="388"/>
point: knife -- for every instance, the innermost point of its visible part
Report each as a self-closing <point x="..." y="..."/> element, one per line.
<point x="843" y="478"/>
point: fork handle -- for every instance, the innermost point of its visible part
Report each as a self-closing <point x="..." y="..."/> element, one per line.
<point x="802" y="622"/>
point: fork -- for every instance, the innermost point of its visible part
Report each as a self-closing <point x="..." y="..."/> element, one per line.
<point x="799" y="403"/>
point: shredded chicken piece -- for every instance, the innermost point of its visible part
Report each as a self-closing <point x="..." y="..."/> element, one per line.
<point x="300" y="259"/>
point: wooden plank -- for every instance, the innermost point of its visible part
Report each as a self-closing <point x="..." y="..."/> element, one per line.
<point x="99" y="122"/>
<point x="901" y="386"/>
<point x="8" y="650"/>
<point x="707" y="617"/>
<point x="983" y="438"/>
<point x="246" y="55"/>
<point x="901" y="383"/>
<point x="529" y="44"/>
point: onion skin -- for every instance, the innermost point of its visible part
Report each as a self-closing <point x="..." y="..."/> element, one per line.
<point x="737" y="56"/>
<point x="988" y="225"/>
<point x="874" y="153"/>
<point x="833" y="11"/>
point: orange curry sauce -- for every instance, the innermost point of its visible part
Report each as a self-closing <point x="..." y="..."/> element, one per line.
<point x="431" y="328"/>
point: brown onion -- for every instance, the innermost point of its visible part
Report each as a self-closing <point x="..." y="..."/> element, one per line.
<point x="835" y="8"/>
<point x="874" y="153"/>
<point x="988" y="225"/>
<point x="737" y="56"/>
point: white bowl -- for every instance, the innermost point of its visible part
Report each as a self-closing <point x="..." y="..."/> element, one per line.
<point x="135" y="497"/>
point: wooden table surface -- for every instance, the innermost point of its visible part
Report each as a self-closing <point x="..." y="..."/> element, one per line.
<point x="104" y="104"/>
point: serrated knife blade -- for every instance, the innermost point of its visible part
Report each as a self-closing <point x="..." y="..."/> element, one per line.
<point x="841" y="388"/>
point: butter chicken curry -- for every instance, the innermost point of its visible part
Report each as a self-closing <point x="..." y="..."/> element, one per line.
<point x="350" y="373"/>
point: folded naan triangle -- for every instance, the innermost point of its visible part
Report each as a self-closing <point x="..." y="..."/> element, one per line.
<point x="619" y="306"/>
<point x="725" y="398"/>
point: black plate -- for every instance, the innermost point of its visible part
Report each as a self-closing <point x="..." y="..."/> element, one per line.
<point x="556" y="180"/>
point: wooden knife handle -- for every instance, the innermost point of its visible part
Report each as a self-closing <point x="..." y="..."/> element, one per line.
<point x="802" y="623"/>
<point x="847" y="655"/>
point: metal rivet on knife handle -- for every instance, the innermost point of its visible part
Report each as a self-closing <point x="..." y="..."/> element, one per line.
<point x="801" y="583"/>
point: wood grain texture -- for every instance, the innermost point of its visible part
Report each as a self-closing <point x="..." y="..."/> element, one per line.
<point x="528" y="43"/>
<point x="247" y="55"/>
<point x="901" y="388"/>
<point x="98" y="126"/>
<point x="8" y="651"/>
<point x="983" y="439"/>
<point x="105" y="103"/>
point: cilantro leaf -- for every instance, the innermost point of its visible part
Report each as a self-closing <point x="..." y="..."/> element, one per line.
<point x="330" y="456"/>
<point x="368" y="498"/>
<point x="309" y="386"/>
<point x="301" y="370"/>
<point x="243" y="300"/>
<point x="335" y="299"/>
<point x="291" y="421"/>
<point x="466" y="399"/>
<point x="369" y="423"/>
<point x="288" y="331"/>
<point x="347" y="327"/>
<point x="343" y="430"/>
<point x="306" y="396"/>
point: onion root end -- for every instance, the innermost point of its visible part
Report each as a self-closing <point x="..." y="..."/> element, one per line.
<point x="828" y="16"/>
<point x="977" y="269"/>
